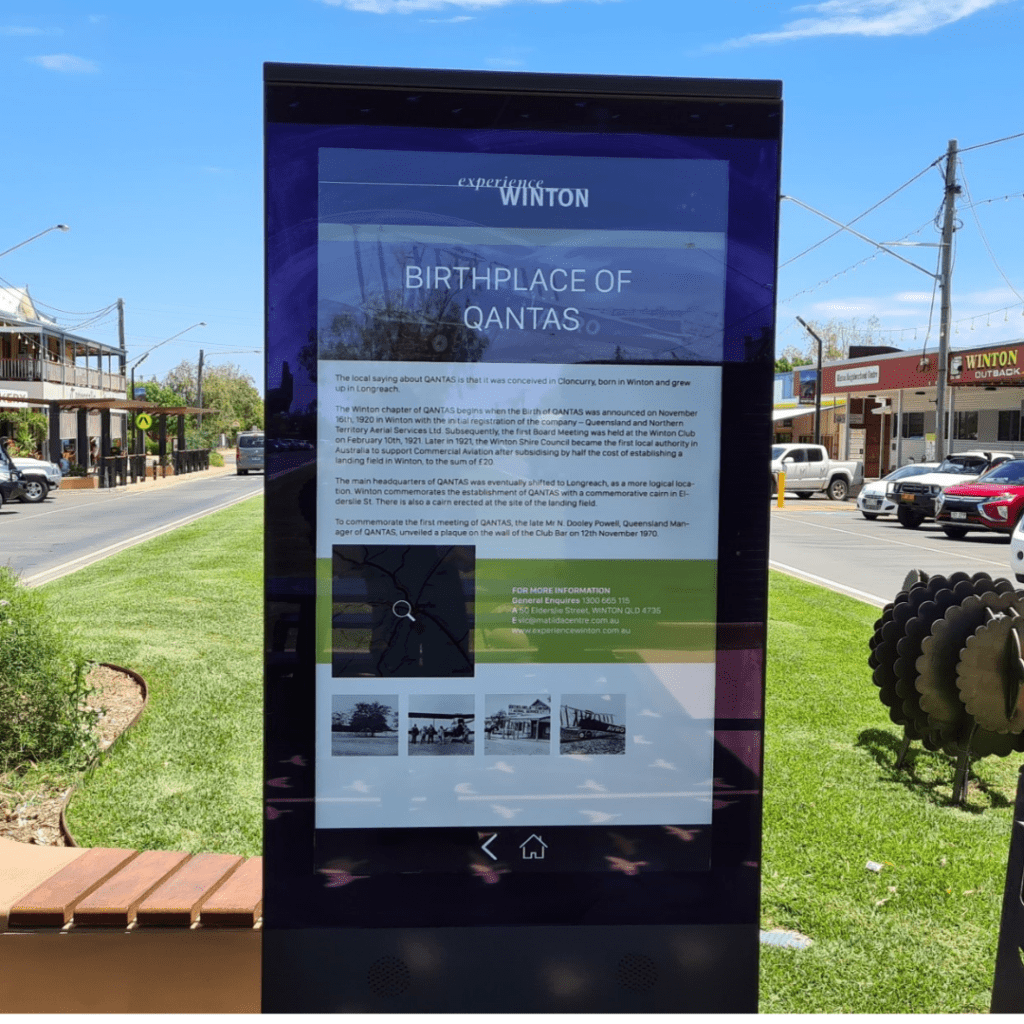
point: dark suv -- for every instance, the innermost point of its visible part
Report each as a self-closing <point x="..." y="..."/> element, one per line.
<point x="11" y="480"/>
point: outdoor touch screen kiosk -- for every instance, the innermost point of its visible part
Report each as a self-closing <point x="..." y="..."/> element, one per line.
<point x="519" y="376"/>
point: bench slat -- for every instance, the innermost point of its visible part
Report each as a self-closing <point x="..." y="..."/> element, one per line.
<point x="238" y="903"/>
<point x="178" y="900"/>
<point x="114" y="903"/>
<point x="52" y="903"/>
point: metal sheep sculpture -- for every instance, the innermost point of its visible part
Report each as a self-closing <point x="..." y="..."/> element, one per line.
<point x="946" y="658"/>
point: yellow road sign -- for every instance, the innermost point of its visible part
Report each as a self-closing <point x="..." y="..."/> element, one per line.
<point x="143" y="421"/>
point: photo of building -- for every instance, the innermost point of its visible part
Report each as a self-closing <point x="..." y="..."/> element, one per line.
<point x="518" y="724"/>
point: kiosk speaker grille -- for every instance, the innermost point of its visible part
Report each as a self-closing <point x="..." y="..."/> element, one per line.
<point x="389" y="976"/>
<point x="637" y="972"/>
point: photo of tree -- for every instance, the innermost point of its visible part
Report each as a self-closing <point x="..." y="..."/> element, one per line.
<point x="364" y="725"/>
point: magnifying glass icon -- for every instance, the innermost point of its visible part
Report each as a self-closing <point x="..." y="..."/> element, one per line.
<point x="403" y="610"/>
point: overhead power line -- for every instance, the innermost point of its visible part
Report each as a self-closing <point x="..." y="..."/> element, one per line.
<point x="981" y="231"/>
<point x="860" y="216"/>
<point x="993" y="142"/>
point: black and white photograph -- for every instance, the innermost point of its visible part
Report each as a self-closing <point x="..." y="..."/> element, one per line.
<point x="402" y="610"/>
<point x="517" y="724"/>
<point x="441" y="725"/>
<point x="364" y="725"/>
<point x="592" y="723"/>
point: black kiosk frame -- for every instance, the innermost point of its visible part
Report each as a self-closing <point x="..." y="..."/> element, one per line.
<point x="512" y="274"/>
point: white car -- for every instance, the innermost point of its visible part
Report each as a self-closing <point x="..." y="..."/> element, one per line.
<point x="873" y="500"/>
<point x="40" y="478"/>
<point x="1017" y="551"/>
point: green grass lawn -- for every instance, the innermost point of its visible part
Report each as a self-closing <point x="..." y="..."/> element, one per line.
<point x="920" y="937"/>
<point x="185" y="610"/>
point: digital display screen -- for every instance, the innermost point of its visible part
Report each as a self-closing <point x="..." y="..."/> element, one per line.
<point x="517" y="497"/>
<point x="515" y="619"/>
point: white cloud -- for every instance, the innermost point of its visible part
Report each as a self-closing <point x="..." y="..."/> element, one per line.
<point x="64" y="62"/>
<point x="458" y="19"/>
<point x="412" y="6"/>
<point x="599" y="817"/>
<point x="508" y="813"/>
<point x="869" y="18"/>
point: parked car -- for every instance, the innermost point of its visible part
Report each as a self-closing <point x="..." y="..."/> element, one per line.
<point x="915" y="497"/>
<point x="10" y="479"/>
<point x="994" y="502"/>
<point x="808" y="468"/>
<point x="874" y="501"/>
<point x="40" y="478"/>
<point x="249" y="452"/>
<point x="1017" y="551"/>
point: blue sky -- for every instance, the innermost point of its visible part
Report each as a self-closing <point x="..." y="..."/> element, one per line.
<point x="140" y="126"/>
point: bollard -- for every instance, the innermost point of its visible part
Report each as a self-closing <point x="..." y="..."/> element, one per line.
<point x="780" y="501"/>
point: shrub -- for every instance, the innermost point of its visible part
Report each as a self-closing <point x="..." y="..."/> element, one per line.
<point x="42" y="683"/>
<point x="27" y="429"/>
<point x="216" y="459"/>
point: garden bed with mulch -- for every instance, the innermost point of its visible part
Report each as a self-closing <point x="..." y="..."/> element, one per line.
<point x="33" y="814"/>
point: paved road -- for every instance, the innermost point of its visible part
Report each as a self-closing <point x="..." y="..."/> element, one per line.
<point x="72" y="529"/>
<point x="833" y="544"/>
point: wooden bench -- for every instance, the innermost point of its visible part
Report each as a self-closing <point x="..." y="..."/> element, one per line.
<point x="109" y="930"/>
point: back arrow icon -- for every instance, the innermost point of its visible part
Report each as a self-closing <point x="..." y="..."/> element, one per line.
<point x="488" y="843"/>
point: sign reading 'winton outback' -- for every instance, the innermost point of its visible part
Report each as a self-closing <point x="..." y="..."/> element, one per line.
<point x="1003" y="365"/>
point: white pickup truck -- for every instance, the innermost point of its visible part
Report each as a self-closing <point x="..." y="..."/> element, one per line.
<point x="809" y="469"/>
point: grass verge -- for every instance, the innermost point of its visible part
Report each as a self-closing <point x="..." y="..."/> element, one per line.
<point x="920" y="936"/>
<point x="185" y="611"/>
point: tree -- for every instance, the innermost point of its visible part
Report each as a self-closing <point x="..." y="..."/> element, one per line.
<point x="372" y="717"/>
<point x="226" y="389"/>
<point x="786" y="364"/>
<point x="159" y="394"/>
<point x="837" y="336"/>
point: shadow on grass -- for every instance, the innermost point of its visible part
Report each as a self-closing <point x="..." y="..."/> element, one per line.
<point x="926" y="771"/>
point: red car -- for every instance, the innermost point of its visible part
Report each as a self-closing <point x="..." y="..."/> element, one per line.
<point x="993" y="502"/>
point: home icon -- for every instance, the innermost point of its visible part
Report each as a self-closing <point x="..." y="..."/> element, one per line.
<point x="533" y="848"/>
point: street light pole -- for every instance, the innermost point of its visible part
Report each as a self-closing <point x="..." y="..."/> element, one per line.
<point x="141" y="359"/>
<point x="56" y="227"/>
<point x="817" y="385"/>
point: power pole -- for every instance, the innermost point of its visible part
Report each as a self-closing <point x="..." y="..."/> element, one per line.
<point x="120" y="335"/>
<point x="199" y="391"/>
<point x="946" y="285"/>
